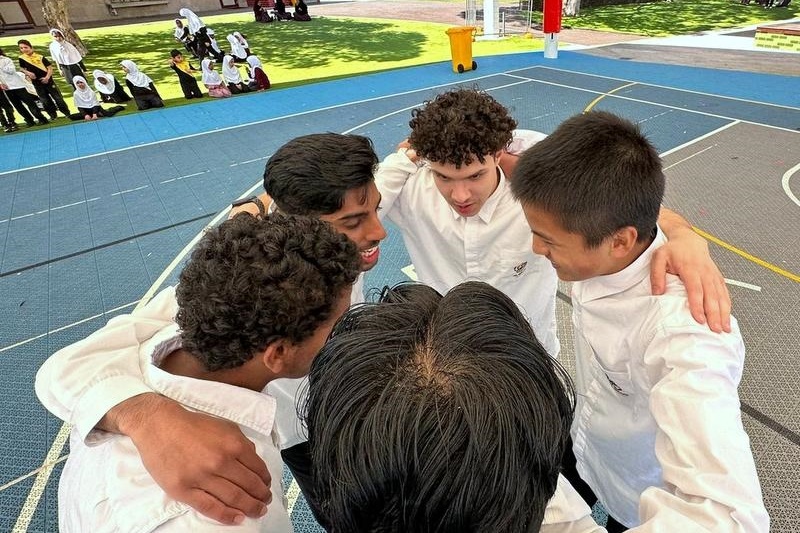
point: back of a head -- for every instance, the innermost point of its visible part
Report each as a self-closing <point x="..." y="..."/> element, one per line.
<point x="596" y="173"/>
<point x="459" y="125"/>
<point x="310" y="175"/>
<point x="252" y="281"/>
<point x="437" y="414"/>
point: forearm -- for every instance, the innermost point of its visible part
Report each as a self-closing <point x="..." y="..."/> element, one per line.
<point x="672" y="223"/>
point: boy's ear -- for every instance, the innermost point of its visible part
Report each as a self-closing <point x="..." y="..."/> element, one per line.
<point x="276" y="356"/>
<point x="623" y="241"/>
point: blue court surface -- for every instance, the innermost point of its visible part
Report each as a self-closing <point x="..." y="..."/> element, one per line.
<point x="94" y="217"/>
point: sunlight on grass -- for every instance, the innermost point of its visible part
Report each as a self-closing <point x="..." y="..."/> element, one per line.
<point x="678" y="17"/>
<point x="292" y="53"/>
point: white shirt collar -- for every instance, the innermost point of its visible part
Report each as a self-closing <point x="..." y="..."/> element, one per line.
<point x="491" y="203"/>
<point x="245" y="407"/>
<point x="602" y="286"/>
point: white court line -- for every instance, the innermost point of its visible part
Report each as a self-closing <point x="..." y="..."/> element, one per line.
<point x="51" y="209"/>
<point x="648" y="84"/>
<point x="248" y="161"/>
<point x="676" y="163"/>
<point x="248" y="124"/>
<point x="184" y="177"/>
<point x="62" y="328"/>
<point x="738" y="283"/>
<point x="704" y="136"/>
<point x="785" y="182"/>
<point x="129" y="190"/>
<point x="292" y="493"/>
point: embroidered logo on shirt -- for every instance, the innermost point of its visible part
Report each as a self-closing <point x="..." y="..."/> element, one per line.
<point x="616" y="387"/>
<point x="520" y="268"/>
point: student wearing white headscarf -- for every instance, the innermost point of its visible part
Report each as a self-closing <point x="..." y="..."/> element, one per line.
<point x="141" y="86"/>
<point x="66" y="55"/>
<point x="213" y="81"/>
<point x="237" y="50"/>
<point x="243" y="42"/>
<point x="232" y="77"/>
<point x="110" y="91"/>
<point x="195" y="24"/>
<point x="260" y="80"/>
<point x="86" y="101"/>
<point x="182" y="35"/>
<point x="212" y="46"/>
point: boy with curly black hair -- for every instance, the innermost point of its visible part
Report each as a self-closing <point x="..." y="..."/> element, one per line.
<point x="256" y="302"/>
<point x="447" y="192"/>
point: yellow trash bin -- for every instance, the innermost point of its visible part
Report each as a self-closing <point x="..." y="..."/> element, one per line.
<point x="461" y="48"/>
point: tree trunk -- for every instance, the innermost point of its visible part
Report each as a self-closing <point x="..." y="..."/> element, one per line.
<point x="56" y="16"/>
<point x="572" y="8"/>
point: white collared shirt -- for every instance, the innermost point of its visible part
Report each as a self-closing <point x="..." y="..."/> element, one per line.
<point x="657" y="430"/>
<point x="105" y="488"/>
<point x="493" y="246"/>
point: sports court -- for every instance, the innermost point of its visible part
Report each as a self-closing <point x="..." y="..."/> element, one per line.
<point x="97" y="217"/>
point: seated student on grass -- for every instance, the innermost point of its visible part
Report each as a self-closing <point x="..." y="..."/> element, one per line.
<point x="86" y="101"/>
<point x="256" y="302"/>
<point x="141" y="87"/>
<point x="237" y="50"/>
<point x="260" y="13"/>
<point x="212" y="46"/>
<point x="40" y="72"/>
<point x="280" y="11"/>
<point x="242" y="42"/>
<point x="301" y="12"/>
<point x="259" y="81"/>
<point x="232" y="76"/>
<point x="185" y="72"/>
<point x="110" y="91"/>
<point x="213" y="81"/>
<point x="183" y="36"/>
<point x="658" y="434"/>
<point x="441" y="414"/>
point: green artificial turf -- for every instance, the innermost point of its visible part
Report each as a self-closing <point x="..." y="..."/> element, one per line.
<point x="293" y="53"/>
<point x="678" y="17"/>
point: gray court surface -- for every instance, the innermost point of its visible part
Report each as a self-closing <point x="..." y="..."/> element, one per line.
<point x="85" y="239"/>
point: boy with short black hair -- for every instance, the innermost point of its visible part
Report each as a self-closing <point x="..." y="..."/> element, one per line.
<point x="39" y="70"/>
<point x="657" y="433"/>
<point x="184" y="70"/>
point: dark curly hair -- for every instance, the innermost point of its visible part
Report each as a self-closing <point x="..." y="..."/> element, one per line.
<point x="460" y="124"/>
<point x="253" y="281"/>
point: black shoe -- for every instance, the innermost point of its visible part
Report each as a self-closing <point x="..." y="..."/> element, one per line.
<point x="43" y="121"/>
<point x="53" y="116"/>
<point x="14" y="127"/>
<point x="30" y="124"/>
<point x="7" y="129"/>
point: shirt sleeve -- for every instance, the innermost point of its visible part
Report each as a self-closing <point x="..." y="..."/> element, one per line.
<point x="524" y="139"/>
<point x="566" y="512"/>
<point x="391" y="178"/>
<point x="82" y="382"/>
<point x="704" y="452"/>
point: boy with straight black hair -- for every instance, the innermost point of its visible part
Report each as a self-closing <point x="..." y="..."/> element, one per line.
<point x="657" y="435"/>
<point x="430" y="413"/>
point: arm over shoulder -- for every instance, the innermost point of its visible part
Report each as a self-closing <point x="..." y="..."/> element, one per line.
<point x="81" y="382"/>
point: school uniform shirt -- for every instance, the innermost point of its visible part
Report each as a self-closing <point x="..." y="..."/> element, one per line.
<point x="106" y="488"/>
<point x="37" y="65"/>
<point x="81" y="382"/>
<point x="493" y="246"/>
<point x="8" y="74"/>
<point x="657" y="430"/>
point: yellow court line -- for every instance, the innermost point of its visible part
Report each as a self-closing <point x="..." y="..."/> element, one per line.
<point x="749" y="257"/>
<point x="594" y="102"/>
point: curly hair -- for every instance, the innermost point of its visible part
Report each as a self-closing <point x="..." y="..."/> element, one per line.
<point x="252" y="281"/>
<point x="459" y="125"/>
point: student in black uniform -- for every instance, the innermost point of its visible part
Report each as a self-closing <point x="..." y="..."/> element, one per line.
<point x="141" y="87"/>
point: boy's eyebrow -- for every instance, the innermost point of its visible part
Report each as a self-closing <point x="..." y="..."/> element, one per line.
<point x="363" y="213"/>
<point x="541" y="235"/>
